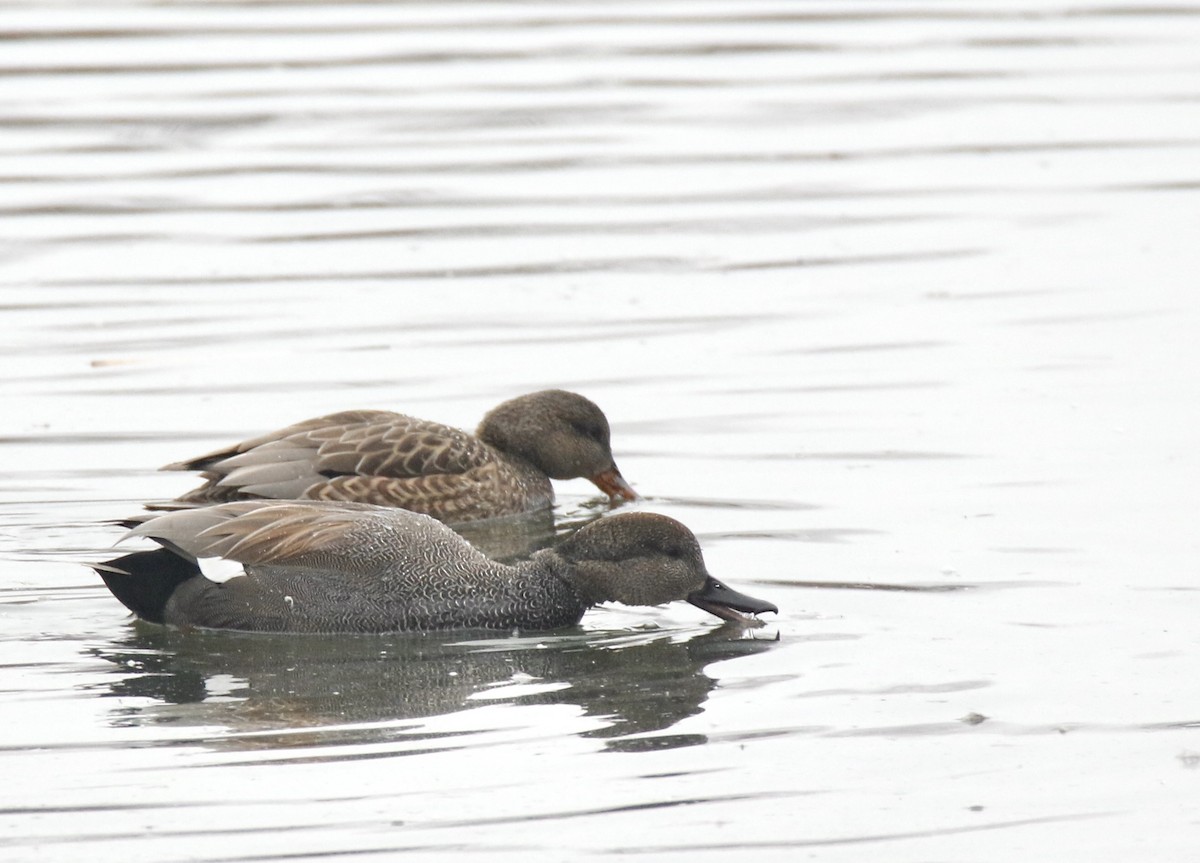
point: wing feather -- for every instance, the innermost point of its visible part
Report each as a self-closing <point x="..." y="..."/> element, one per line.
<point x="363" y="443"/>
<point x="318" y="535"/>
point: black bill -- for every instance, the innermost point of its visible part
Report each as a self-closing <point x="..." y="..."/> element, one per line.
<point x="726" y="603"/>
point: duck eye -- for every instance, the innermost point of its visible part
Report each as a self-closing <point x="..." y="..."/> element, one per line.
<point x="588" y="431"/>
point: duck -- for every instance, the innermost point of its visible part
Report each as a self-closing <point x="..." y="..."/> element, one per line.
<point x="391" y="459"/>
<point x="344" y="567"/>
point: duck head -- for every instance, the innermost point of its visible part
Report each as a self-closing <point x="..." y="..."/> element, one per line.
<point x="562" y="434"/>
<point x="646" y="559"/>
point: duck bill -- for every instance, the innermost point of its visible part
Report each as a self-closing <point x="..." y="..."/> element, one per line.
<point x="727" y="604"/>
<point x="613" y="484"/>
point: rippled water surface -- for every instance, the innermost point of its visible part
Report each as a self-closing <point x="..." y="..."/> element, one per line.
<point x="893" y="303"/>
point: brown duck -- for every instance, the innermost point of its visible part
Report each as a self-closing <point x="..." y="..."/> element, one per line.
<point x="390" y="459"/>
<point x="309" y="566"/>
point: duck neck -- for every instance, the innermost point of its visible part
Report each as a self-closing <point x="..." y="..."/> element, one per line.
<point x="501" y="428"/>
<point x="590" y="582"/>
<point x="554" y="565"/>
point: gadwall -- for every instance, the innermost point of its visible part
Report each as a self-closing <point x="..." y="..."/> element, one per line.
<point x="390" y="459"/>
<point x="309" y="566"/>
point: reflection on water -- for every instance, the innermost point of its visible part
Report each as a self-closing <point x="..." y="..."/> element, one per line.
<point x="514" y="538"/>
<point x="636" y="683"/>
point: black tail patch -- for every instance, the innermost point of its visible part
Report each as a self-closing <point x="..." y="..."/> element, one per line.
<point x="144" y="581"/>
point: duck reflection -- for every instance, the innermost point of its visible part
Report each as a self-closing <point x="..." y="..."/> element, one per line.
<point x="636" y="682"/>
<point x="516" y="538"/>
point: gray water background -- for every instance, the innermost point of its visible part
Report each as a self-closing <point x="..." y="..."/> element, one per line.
<point x="893" y="303"/>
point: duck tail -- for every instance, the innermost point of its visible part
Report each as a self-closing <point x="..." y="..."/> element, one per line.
<point x="144" y="580"/>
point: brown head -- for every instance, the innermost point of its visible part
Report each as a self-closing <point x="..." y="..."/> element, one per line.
<point x="562" y="434"/>
<point x="646" y="559"/>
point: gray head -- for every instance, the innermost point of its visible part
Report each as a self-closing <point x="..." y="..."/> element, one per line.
<point x="561" y="433"/>
<point x="646" y="559"/>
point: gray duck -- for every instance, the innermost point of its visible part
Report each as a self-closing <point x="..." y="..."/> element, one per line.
<point x="391" y="459"/>
<point x="320" y="567"/>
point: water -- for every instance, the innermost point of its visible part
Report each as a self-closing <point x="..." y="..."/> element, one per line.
<point x="892" y="303"/>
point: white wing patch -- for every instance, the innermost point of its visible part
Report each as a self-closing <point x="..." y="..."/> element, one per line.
<point x="219" y="569"/>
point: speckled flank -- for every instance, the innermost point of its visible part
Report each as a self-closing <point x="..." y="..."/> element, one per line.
<point x="390" y="459"/>
<point x="288" y="599"/>
<point x="499" y="487"/>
